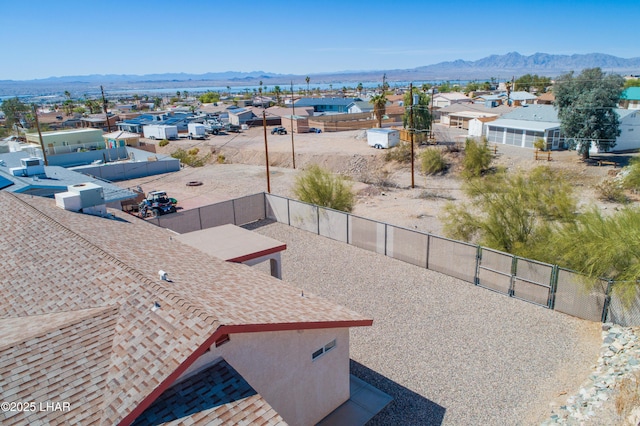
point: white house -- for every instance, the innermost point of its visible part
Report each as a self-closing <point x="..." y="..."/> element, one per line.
<point x="524" y="125"/>
<point x="441" y="100"/>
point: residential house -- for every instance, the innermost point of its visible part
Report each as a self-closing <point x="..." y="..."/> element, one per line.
<point x="524" y="125"/>
<point x="123" y="324"/>
<point x="240" y="116"/>
<point x="547" y="98"/>
<point x="121" y="138"/>
<point x="359" y="106"/>
<point x="65" y="141"/>
<point x="135" y="125"/>
<point x="326" y="105"/>
<point x="630" y="98"/>
<point x="515" y="98"/>
<point x="441" y="100"/>
<point x="459" y="115"/>
<point x="99" y="121"/>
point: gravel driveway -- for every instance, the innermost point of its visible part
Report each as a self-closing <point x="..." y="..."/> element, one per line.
<point x="448" y="352"/>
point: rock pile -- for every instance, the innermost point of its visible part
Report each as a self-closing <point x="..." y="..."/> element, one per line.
<point x="595" y="401"/>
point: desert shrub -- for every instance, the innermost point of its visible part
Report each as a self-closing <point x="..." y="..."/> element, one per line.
<point x="540" y="144"/>
<point x="400" y="153"/>
<point x="611" y="190"/>
<point x="163" y="142"/>
<point x="189" y="158"/>
<point x="193" y="151"/>
<point x="321" y="187"/>
<point x="631" y="178"/>
<point x="432" y="161"/>
<point x="221" y="159"/>
<point x="628" y="396"/>
<point x="477" y="158"/>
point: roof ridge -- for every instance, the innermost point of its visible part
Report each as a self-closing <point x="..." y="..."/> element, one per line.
<point x="186" y="305"/>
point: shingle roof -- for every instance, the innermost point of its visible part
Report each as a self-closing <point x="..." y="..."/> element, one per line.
<point x="218" y="392"/>
<point x="56" y="261"/>
<point x="325" y="101"/>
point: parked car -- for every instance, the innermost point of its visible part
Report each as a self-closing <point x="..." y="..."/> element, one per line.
<point x="314" y="130"/>
<point x="279" y="130"/>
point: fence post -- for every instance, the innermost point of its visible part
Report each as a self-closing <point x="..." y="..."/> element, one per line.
<point x="200" y="216"/>
<point x="428" y="248"/>
<point x="347" y="236"/>
<point x="514" y="271"/>
<point x="264" y="204"/>
<point x="288" y="213"/>
<point x="233" y="207"/>
<point x="317" y="212"/>
<point x="607" y="301"/>
<point x="476" y="279"/>
<point x="385" y="239"/>
<point x="553" y="286"/>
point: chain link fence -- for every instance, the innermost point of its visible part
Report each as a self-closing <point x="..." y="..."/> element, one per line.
<point x="536" y="282"/>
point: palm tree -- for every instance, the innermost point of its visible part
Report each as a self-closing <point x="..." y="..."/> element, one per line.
<point x="379" y="103"/>
<point x="229" y="90"/>
<point x="307" y="79"/>
<point x="360" y="87"/>
<point x="67" y="94"/>
<point x="277" y="92"/>
<point x="178" y="94"/>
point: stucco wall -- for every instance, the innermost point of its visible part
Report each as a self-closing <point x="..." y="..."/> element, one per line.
<point x="279" y="366"/>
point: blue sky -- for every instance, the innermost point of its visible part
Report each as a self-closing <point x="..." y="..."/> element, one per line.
<point x="46" y="38"/>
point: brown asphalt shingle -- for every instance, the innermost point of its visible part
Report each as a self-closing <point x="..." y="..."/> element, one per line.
<point x="56" y="261"/>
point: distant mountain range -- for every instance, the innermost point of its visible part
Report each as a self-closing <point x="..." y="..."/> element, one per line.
<point x="497" y="66"/>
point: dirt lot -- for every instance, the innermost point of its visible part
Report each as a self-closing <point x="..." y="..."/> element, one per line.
<point x="384" y="189"/>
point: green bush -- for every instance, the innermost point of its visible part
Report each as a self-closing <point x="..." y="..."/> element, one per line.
<point x="321" y="187"/>
<point x="477" y="158"/>
<point x="163" y="142"/>
<point x="432" y="161"/>
<point x="610" y="190"/>
<point x="189" y="158"/>
<point x="632" y="177"/>
<point x="400" y="153"/>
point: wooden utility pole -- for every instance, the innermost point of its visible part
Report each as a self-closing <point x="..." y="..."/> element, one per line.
<point x="411" y="132"/>
<point x="104" y="107"/>
<point x="266" y="149"/>
<point x="293" y="149"/>
<point x="44" y="153"/>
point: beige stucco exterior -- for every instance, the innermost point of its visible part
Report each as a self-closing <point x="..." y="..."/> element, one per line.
<point x="279" y="366"/>
<point x="68" y="140"/>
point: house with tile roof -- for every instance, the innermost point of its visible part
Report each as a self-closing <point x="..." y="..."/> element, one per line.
<point x="120" y="323"/>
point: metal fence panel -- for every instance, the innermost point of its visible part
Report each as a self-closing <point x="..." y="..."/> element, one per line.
<point x="367" y="234"/>
<point x="452" y="258"/>
<point x="181" y="222"/>
<point x="333" y="224"/>
<point x="533" y="281"/>
<point x="277" y="208"/>
<point x="494" y="270"/>
<point x="249" y="209"/>
<point x="623" y="314"/>
<point x="303" y="216"/>
<point x="531" y="292"/>
<point x="216" y="214"/>
<point x="407" y="245"/>
<point x="572" y="296"/>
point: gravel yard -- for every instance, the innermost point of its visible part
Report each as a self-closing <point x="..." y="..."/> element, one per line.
<point x="448" y="352"/>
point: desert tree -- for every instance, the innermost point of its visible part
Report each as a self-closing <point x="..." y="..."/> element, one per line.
<point x="512" y="212"/>
<point x="14" y="111"/>
<point x="586" y="107"/>
<point x="307" y="79"/>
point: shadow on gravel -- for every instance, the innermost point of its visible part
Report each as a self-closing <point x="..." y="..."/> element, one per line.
<point x="407" y="407"/>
